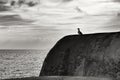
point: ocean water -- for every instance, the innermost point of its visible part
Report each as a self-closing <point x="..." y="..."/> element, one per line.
<point x="20" y="63"/>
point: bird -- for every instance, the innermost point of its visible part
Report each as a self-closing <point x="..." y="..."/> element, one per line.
<point x="79" y="32"/>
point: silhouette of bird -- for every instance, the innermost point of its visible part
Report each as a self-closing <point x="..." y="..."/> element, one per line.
<point x="79" y="32"/>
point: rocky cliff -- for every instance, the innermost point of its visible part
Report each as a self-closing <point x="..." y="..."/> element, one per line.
<point x="95" y="55"/>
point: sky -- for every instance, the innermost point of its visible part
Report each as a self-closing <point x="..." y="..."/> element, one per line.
<point x="42" y="26"/>
<point x="89" y="6"/>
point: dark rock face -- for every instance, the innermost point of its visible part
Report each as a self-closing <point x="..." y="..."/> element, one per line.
<point x="95" y="55"/>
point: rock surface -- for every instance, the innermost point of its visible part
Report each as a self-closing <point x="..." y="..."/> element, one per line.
<point x="95" y="55"/>
<point x="59" y="78"/>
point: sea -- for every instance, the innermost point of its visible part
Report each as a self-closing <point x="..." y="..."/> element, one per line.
<point x="20" y="63"/>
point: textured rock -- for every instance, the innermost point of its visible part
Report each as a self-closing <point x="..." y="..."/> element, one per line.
<point x="95" y="55"/>
<point x="59" y="78"/>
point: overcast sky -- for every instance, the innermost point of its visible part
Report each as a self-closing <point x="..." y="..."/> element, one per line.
<point x="89" y="6"/>
<point x="53" y="19"/>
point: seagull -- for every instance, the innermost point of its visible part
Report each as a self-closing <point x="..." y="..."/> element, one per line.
<point x="79" y="32"/>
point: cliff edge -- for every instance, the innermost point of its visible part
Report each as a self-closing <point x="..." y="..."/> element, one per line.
<point x="96" y="55"/>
